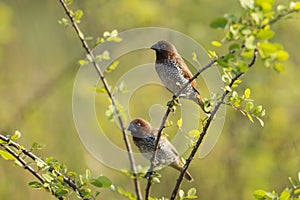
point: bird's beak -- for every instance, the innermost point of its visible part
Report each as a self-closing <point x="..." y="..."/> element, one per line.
<point x="131" y="127"/>
<point x="155" y="47"/>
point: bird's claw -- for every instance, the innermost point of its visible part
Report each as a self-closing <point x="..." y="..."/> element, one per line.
<point x="149" y="174"/>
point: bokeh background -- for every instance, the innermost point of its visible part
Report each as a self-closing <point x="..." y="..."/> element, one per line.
<point x="39" y="62"/>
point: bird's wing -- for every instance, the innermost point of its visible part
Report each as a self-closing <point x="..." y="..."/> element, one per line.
<point x="186" y="72"/>
<point x="164" y="139"/>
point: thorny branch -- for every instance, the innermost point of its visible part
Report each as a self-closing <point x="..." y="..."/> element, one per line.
<point x="205" y="128"/>
<point x="112" y="98"/>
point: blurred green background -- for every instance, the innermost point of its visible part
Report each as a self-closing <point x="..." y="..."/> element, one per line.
<point x="39" y="62"/>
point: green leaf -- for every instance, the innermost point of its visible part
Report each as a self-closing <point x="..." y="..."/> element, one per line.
<point x="6" y="155"/>
<point x="112" y="67"/>
<point x="271" y="195"/>
<point x="250" y="117"/>
<point x="35" y="184"/>
<point x="192" y="192"/>
<point x="81" y="35"/>
<point x="194" y="133"/>
<point x="38" y="146"/>
<point x="294" y="182"/>
<point x="295" y="5"/>
<point x="88" y="174"/>
<point x="78" y="15"/>
<point x="247" y="4"/>
<point x="62" y="192"/>
<point x="249" y="106"/>
<point x="260" y="121"/>
<point x="71" y="174"/>
<point x="285" y="194"/>
<point x="181" y="193"/>
<point x="179" y="123"/>
<point x="194" y="57"/>
<point x="98" y="89"/>
<point x="269" y="48"/>
<point x="234" y="46"/>
<point x="282" y="55"/>
<point x="106" y="55"/>
<point x="40" y="163"/>
<point x="220" y="22"/>
<point x="247" y="93"/>
<point x="242" y="67"/>
<point x="101" y="181"/>
<point x="278" y="67"/>
<point x="48" y="177"/>
<point x="216" y="43"/>
<point x="266" y="5"/>
<point x="228" y="88"/>
<point x="63" y="21"/>
<point x="249" y="42"/>
<point x="69" y="2"/>
<point x="106" y="34"/>
<point x="259" y="194"/>
<point x="257" y="110"/>
<point x="265" y="34"/>
<point x="16" y="135"/>
<point x="114" y="33"/>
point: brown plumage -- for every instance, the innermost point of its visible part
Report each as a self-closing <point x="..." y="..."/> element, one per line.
<point x="174" y="73"/>
<point x="144" y="137"/>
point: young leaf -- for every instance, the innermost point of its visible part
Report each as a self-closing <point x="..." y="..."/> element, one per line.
<point x="220" y="22"/>
<point x="260" y="121"/>
<point x="192" y="192"/>
<point x="6" y="155"/>
<point x="179" y="123"/>
<point x="16" y="135"/>
<point x="216" y="43"/>
<point x="247" y="4"/>
<point x="62" y="192"/>
<point x="101" y="181"/>
<point x="35" y="184"/>
<point x="181" y="193"/>
<point x="247" y="93"/>
<point x="38" y="146"/>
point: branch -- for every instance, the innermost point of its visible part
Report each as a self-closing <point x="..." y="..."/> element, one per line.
<point x="35" y="158"/>
<point x="205" y="128"/>
<point x="112" y="98"/>
<point x="162" y="125"/>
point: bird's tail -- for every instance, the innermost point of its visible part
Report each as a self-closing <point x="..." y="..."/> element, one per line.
<point x="178" y="167"/>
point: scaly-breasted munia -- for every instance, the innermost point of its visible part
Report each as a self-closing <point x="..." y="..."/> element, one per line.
<point x="144" y="137"/>
<point x="174" y="73"/>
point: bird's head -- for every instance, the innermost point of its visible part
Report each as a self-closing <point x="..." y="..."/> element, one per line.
<point x="139" y="127"/>
<point x="164" y="50"/>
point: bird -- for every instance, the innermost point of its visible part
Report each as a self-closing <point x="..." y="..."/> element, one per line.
<point x="174" y="73"/>
<point x="144" y="137"/>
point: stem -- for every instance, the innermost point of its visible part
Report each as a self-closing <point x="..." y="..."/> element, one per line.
<point x="110" y="95"/>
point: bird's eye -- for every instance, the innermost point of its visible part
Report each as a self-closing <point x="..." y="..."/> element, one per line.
<point x="138" y="124"/>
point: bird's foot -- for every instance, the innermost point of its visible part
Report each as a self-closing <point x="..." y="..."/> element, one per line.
<point x="149" y="174"/>
<point x="173" y="103"/>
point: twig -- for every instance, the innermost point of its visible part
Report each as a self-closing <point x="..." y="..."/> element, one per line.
<point x="25" y="165"/>
<point x="162" y="125"/>
<point x="280" y="16"/>
<point x="112" y="98"/>
<point x="205" y="128"/>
